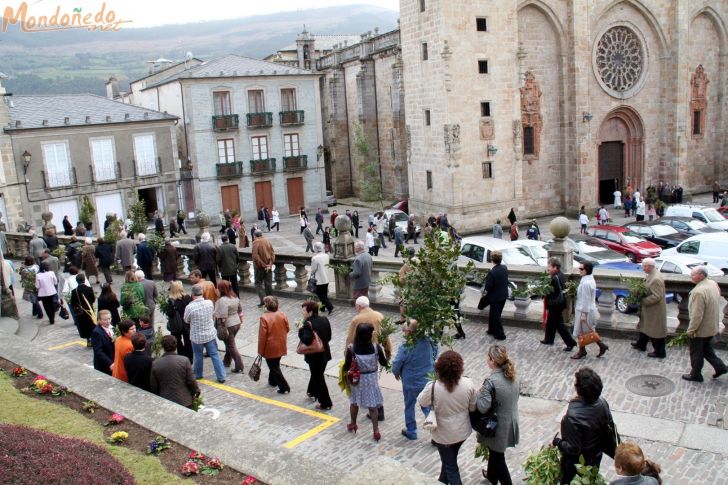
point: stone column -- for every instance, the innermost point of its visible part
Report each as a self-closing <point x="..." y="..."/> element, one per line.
<point x="375" y="287"/>
<point x="280" y="276"/>
<point x="683" y="317"/>
<point x="301" y="275"/>
<point x="244" y="273"/>
<point x="606" y="308"/>
<point x="560" y="229"/>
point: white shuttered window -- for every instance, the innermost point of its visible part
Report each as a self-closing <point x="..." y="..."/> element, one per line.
<point x="146" y="155"/>
<point x="260" y="147"/>
<point x="58" y="164"/>
<point x="290" y="145"/>
<point x="102" y="152"/>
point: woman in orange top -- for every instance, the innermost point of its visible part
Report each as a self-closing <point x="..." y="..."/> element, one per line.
<point x="122" y="346"/>
<point x="272" y="336"/>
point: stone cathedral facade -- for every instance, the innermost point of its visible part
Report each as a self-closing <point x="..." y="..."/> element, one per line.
<point x="548" y="105"/>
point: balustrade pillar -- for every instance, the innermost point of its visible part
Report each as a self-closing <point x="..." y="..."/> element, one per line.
<point x="280" y="276"/>
<point x="181" y="265"/>
<point x="375" y="287"/>
<point x="244" y="273"/>
<point x="683" y="316"/>
<point x="301" y="276"/>
<point x="606" y="308"/>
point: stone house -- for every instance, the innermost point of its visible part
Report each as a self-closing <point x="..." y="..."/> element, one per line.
<point x="66" y="146"/>
<point x="250" y="130"/>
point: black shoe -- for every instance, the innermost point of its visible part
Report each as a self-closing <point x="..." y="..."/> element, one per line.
<point x="692" y="378"/>
<point x="281" y="391"/>
<point x="500" y="338"/>
<point x="546" y="343"/>
<point x="237" y="371"/>
<point x="636" y="346"/>
<point x="569" y="348"/>
<point x="720" y="373"/>
<point x="458" y="336"/>
<point x="655" y="355"/>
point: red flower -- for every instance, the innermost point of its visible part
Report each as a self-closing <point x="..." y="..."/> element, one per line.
<point x="196" y="456"/>
<point x="47" y="389"/>
<point x="39" y="378"/>
<point x="250" y="480"/>
<point x="190" y="468"/>
<point x="214" y="463"/>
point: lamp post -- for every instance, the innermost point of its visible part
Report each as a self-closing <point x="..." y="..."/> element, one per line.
<point x="26" y="161"/>
<point x="319" y="152"/>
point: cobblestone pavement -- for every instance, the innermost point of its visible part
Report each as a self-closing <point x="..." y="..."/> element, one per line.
<point x="547" y="384"/>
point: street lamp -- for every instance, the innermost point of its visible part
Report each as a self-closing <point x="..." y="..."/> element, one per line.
<point x="26" y="161"/>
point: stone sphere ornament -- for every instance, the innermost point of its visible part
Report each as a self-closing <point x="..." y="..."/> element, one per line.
<point x="47" y="216"/>
<point x="343" y="224"/>
<point x="560" y="227"/>
<point x="202" y="219"/>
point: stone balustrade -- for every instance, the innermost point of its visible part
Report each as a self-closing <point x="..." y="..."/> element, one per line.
<point x="290" y="275"/>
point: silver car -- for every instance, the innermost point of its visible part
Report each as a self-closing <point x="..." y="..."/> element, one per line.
<point x="400" y="219"/>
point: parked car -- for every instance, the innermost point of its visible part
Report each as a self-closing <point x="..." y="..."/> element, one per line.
<point x="684" y="264"/>
<point x="708" y="215"/>
<point x="723" y="210"/>
<point x="711" y="248"/>
<point x="479" y="248"/>
<point x="661" y="234"/>
<point x="535" y="250"/>
<point x="400" y="219"/>
<point x="621" y="294"/>
<point x="590" y="249"/>
<point x="402" y="204"/>
<point x="330" y="198"/>
<point x="688" y="225"/>
<point x="624" y="241"/>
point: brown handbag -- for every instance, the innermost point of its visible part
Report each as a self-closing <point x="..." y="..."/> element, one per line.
<point x="588" y="338"/>
<point x="315" y="347"/>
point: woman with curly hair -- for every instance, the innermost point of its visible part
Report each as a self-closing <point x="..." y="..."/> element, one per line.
<point x="451" y="397"/>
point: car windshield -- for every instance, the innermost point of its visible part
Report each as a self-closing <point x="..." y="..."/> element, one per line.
<point x="631" y="237"/>
<point x="696" y="225"/>
<point x="713" y="215"/>
<point x="399" y="216"/>
<point x="514" y="256"/>
<point x="539" y="252"/>
<point x="663" y="230"/>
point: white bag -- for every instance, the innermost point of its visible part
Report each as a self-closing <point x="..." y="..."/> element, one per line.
<point x="430" y="423"/>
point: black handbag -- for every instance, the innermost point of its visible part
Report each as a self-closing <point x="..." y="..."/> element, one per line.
<point x="175" y="324"/>
<point x="311" y="285"/>
<point x="610" y="439"/>
<point x="486" y="423"/>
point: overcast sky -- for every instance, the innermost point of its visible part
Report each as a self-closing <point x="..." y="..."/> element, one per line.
<point x="148" y="13"/>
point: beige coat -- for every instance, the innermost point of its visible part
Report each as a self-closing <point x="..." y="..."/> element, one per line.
<point x="653" y="309"/>
<point x="367" y="315"/>
<point x="451" y="410"/>
<point x="704" y="308"/>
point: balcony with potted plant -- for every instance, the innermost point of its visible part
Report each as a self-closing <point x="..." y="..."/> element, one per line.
<point x="294" y="163"/>
<point x="229" y="170"/>
<point x="259" y="120"/>
<point x="291" y="118"/>
<point x="222" y="123"/>
<point x="263" y="166"/>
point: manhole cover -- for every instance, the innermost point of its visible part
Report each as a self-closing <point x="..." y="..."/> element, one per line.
<point x="209" y="412"/>
<point x="650" y="385"/>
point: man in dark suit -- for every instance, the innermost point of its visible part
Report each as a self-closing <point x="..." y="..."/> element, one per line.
<point x="102" y="343"/>
<point x="555" y="305"/>
<point x="496" y="287"/>
<point x="82" y="302"/>
<point x="138" y="364"/>
<point x="172" y="377"/>
<point x="145" y="256"/>
<point x="204" y="256"/>
<point x="227" y="261"/>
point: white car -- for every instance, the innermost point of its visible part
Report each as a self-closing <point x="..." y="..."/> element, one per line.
<point x="708" y="215"/>
<point x="683" y="264"/>
<point x="711" y="248"/>
<point x="534" y="249"/>
<point x="479" y="248"/>
<point x="400" y="219"/>
<point x="330" y="198"/>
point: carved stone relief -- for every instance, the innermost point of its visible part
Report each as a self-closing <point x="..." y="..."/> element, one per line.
<point x="487" y="129"/>
<point x="698" y="99"/>
<point x="452" y="141"/>
<point x="531" y="113"/>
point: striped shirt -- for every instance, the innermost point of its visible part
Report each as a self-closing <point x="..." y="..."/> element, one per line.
<point x="199" y="315"/>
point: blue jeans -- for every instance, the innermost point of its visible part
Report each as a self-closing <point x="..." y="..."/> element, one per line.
<point x="410" y="400"/>
<point x="381" y="240"/>
<point x="449" y="472"/>
<point x="211" y="347"/>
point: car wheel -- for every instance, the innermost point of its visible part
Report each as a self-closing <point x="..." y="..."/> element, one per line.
<point x="632" y="258"/>
<point x="725" y="271"/>
<point x="621" y="304"/>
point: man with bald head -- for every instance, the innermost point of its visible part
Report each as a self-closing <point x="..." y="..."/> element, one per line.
<point x="653" y="312"/>
<point x="704" y="310"/>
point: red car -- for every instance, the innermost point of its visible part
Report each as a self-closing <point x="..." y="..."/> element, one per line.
<point x="624" y="241"/>
<point x="402" y="204"/>
<point x="723" y="210"/>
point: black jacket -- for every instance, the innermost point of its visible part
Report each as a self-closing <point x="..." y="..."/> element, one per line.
<point x="144" y="254"/>
<point x="103" y="350"/>
<point x="204" y="255"/>
<point x="558" y="284"/>
<point x="322" y="327"/>
<point x="583" y="429"/>
<point x="105" y="254"/>
<point x="138" y="365"/>
<point x="227" y="259"/>
<point x="496" y="283"/>
<point x="67" y="227"/>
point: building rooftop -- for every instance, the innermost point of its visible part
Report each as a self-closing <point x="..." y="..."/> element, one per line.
<point x="326" y="42"/>
<point x="60" y="110"/>
<point x="233" y="65"/>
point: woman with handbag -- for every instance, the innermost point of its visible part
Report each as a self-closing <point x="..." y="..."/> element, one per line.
<point x="452" y="398"/>
<point x="363" y="355"/>
<point x="500" y="393"/>
<point x="586" y="313"/>
<point x="319" y="265"/>
<point x="178" y="301"/>
<point x="272" y="342"/>
<point x="315" y="335"/>
<point x="587" y="428"/>
<point x="229" y="309"/>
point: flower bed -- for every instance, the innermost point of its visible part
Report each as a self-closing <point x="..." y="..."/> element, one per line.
<point x="139" y="439"/>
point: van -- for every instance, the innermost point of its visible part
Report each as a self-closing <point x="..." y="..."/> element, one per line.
<point x="708" y="215"/>
<point x="479" y="248"/>
<point x="711" y="248"/>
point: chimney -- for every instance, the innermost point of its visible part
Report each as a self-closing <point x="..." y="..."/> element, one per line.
<point x="88" y="120"/>
<point x="44" y="123"/>
<point x="127" y="117"/>
<point x="108" y="119"/>
<point x="112" y="88"/>
<point x="66" y="120"/>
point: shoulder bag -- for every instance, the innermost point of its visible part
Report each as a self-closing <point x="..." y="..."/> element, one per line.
<point x="315" y="347"/>
<point x="175" y="323"/>
<point x="354" y="373"/>
<point x="611" y="438"/>
<point x="254" y="372"/>
<point x="311" y="285"/>
<point x="430" y="423"/>
<point x="486" y="423"/>
<point x="222" y="331"/>
<point x="588" y="338"/>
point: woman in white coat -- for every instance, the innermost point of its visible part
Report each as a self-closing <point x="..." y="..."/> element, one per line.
<point x="585" y="310"/>
<point x="319" y="263"/>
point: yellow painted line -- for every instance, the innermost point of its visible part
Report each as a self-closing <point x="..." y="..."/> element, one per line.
<point x="310" y="433"/>
<point x="82" y="343"/>
<point x="328" y="420"/>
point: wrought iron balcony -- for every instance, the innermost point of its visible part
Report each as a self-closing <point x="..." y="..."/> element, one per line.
<point x="266" y="165"/>
<point x="229" y="170"/>
<point x="298" y="162"/>
<point x="289" y="118"/>
<point x="259" y="120"/>
<point x="225" y="122"/>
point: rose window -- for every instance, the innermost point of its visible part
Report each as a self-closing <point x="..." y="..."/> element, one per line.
<point x="619" y="59"/>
